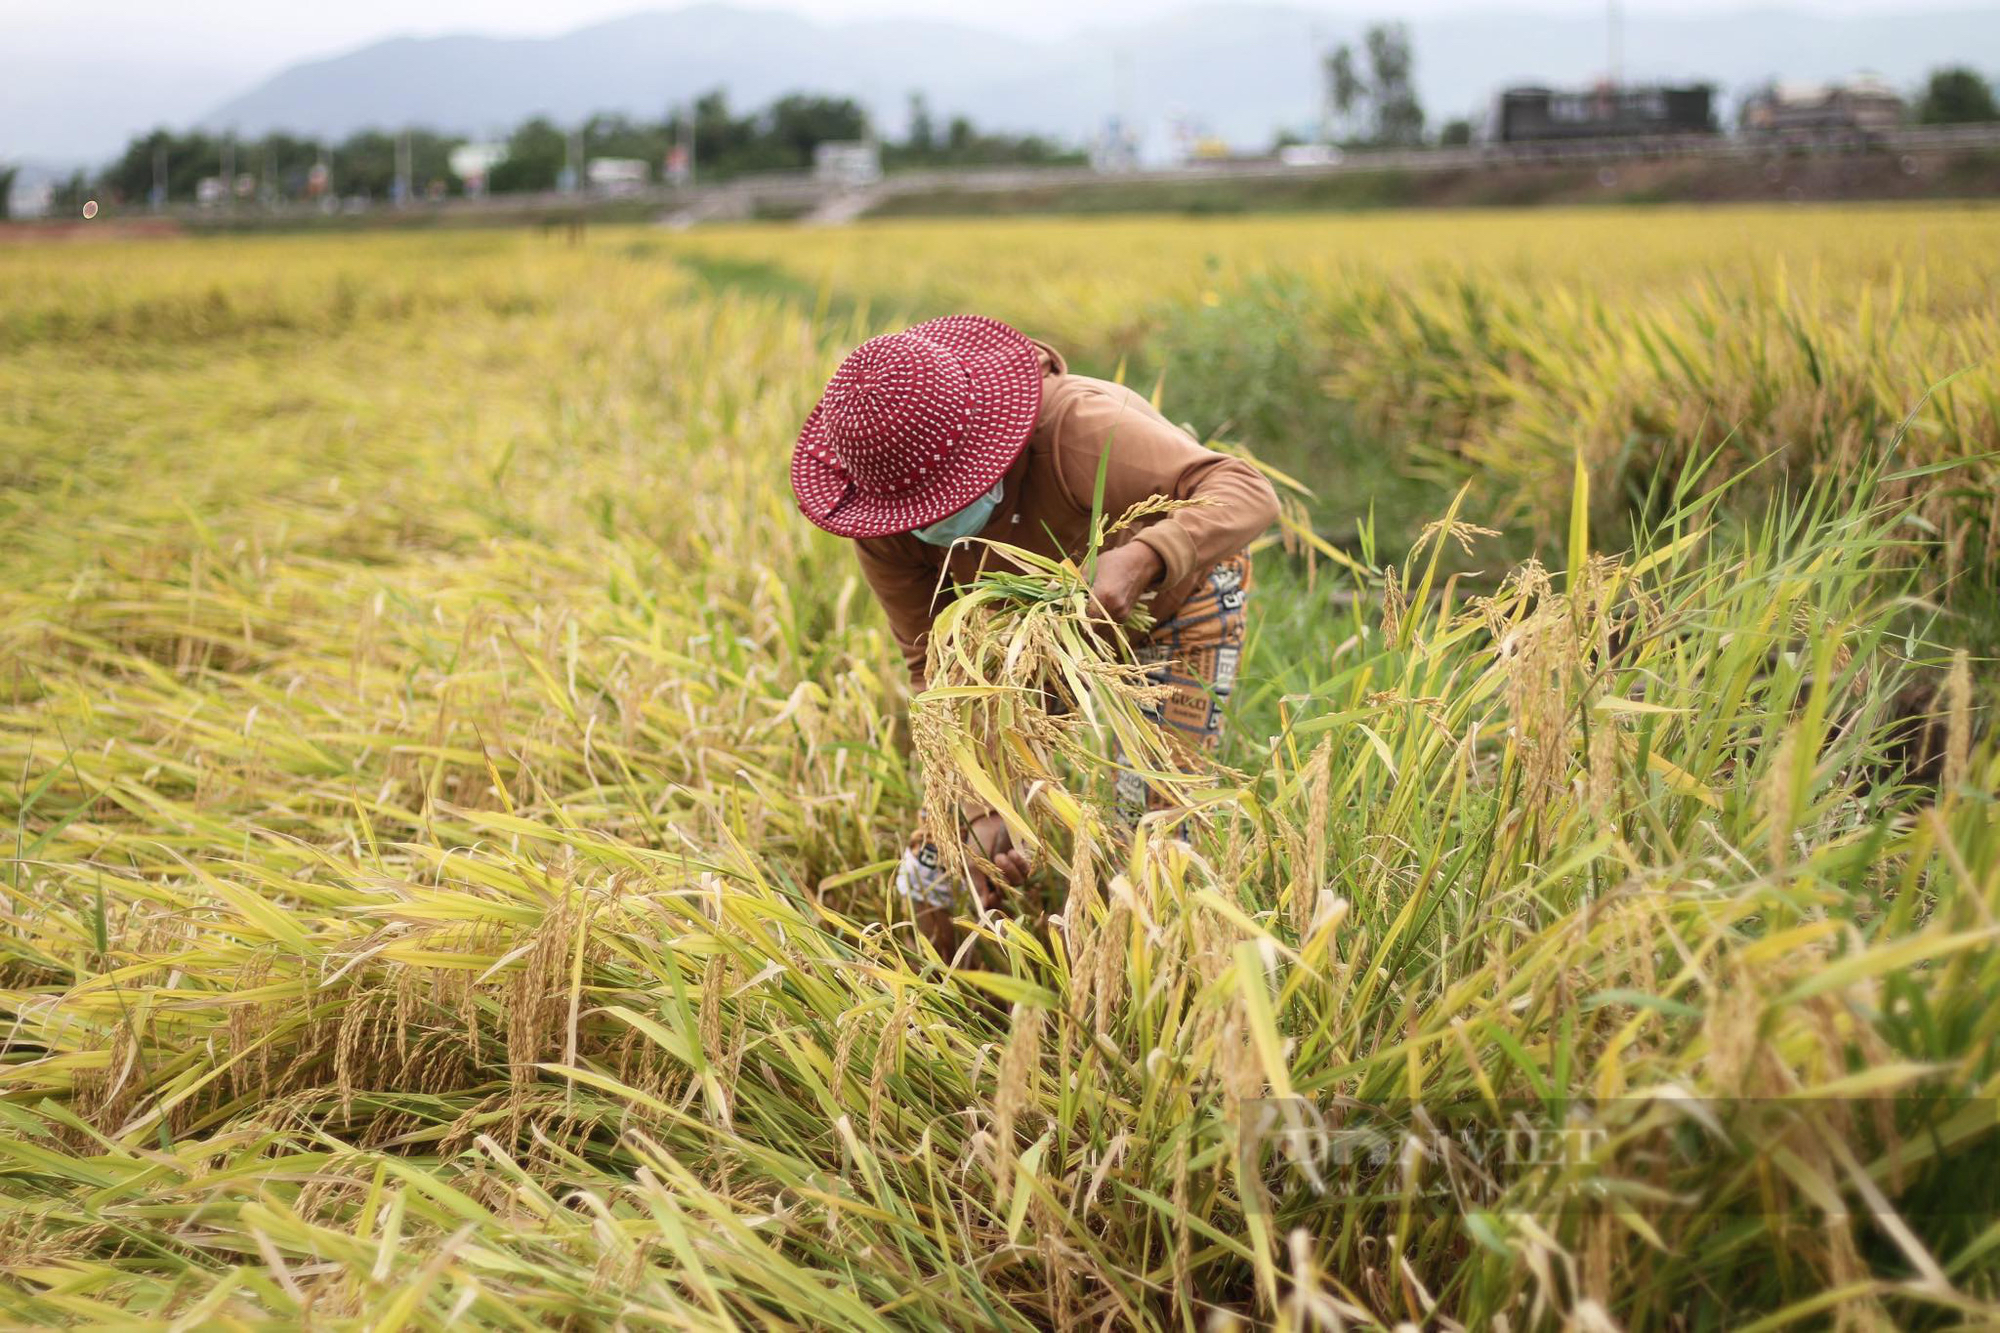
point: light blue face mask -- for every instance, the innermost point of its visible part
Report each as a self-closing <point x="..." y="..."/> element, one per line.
<point x="963" y="524"/>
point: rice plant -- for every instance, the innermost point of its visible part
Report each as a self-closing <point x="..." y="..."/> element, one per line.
<point x="450" y="802"/>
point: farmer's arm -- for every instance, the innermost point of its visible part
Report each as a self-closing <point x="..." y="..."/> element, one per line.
<point x="904" y="584"/>
<point x="1150" y="457"/>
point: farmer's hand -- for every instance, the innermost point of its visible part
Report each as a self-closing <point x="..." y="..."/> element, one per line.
<point x="988" y="837"/>
<point x="1124" y="574"/>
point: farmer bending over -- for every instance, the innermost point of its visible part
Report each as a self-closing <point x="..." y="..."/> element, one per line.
<point x="963" y="428"/>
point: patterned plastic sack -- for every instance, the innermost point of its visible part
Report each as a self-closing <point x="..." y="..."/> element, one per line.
<point x="922" y="878"/>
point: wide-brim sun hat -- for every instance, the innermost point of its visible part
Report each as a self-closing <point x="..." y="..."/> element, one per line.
<point x="916" y="425"/>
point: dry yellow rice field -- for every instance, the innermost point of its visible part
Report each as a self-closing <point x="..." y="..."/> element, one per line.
<point x="448" y="794"/>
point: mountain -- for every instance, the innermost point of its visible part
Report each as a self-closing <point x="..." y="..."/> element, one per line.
<point x="642" y="64"/>
<point x="1237" y="71"/>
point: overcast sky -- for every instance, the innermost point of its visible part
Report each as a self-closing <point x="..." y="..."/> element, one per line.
<point x="271" y="32"/>
<point x="77" y="76"/>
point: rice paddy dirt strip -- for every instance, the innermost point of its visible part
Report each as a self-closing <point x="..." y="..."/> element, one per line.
<point x="448" y="794"/>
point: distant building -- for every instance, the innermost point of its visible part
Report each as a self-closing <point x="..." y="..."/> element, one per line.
<point x="472" y="163"/>
<point x="1531" y="115"/>
<point x="31" y="199"/>
<point x="617" y="175"/>
<point x="1116" y="147"/>
<point x="679" y="165"/>
<point x="1309" y="155"/>
<point x="1858" y="108"/>
<point x="847" y="162"/>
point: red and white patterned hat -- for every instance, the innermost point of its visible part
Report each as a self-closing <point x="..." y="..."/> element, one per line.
<point x="915" y="426"/>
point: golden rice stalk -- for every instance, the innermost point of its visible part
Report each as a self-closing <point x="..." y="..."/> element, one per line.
<point x="1028" y="702"/>
<point x="1958" y="720"/>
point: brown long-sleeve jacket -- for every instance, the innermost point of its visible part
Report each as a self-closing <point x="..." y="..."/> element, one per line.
<point x="1046" y="504"/>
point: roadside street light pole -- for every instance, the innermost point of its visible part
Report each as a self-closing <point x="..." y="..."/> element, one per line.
<point x="1617" y="39"/>
<point x="573" y="161"/>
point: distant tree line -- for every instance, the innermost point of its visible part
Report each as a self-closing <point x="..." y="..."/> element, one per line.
<point x="277" y="164"/>
<point x="1376" y="103"/>
<point x="1957" y="96"/>
<point x="958" y="143"/>
<point x="779" y="137"/>
<point x="1370" y="101"/>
